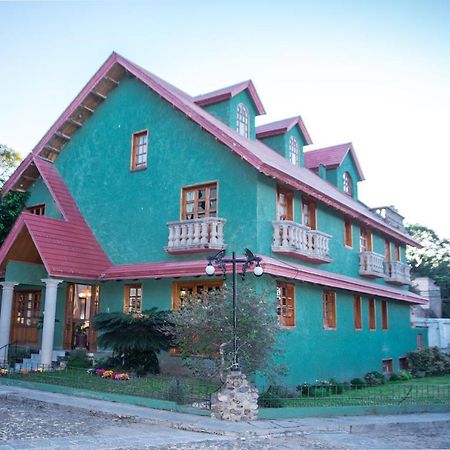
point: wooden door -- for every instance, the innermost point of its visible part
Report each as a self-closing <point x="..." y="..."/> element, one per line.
<point x="285" y="204"/>
<point x="26" y="312"/>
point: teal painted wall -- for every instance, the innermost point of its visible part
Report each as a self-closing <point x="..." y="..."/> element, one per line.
<point x="39" y="195"/>
<point x="128" y="211"/>
<point x="221" y="111"/>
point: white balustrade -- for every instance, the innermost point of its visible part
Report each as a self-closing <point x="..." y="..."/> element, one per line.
<point x="297" y="239"/>
<point x="398" y="272"/>
<point x="195" y="234"/>
<point x="371" y="264"/>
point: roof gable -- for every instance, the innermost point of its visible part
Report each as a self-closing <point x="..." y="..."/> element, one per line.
<point x="332" y="157"/>
<point x="225" y="93"/>
<point x="255" y="153"/>
<point x="283" y="126"/>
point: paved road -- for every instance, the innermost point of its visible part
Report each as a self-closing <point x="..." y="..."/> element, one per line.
<point x="31" y="424"/>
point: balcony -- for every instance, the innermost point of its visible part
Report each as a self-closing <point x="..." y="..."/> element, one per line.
<point x="397" y="272"/>
<point x="295" y="240"/>
<point x="196" y="235"/>
<point x="371" y="265"/>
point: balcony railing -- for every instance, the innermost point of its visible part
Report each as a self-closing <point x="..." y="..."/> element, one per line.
<point x="196" y="235"/>
<point x="397" y="272"/>
<point x="294" y="239"/>
<point x="371" y="265"/>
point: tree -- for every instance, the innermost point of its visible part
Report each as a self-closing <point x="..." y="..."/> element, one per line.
<point x="12" y="204"/>
<point x="135" y="339"/>
<point x="433" y="260"/>
<point x="203" y="331"/>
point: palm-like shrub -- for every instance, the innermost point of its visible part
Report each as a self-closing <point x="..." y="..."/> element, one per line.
<point x="135" y="339"/>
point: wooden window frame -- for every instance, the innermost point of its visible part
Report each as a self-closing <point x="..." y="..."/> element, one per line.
<point x="372" y="307"/>
<point x="398" y="254"/>
<point x="384" y="315"/>
<point x="194" y="284"/>
<point x="387" y="250"/>
<point x="419" y="341"/>
<point x="289" y="196"/>
<point x="389" y="364"/>
<point x="38" y="210"/>
<point x="134" y="166"/>
<point x="365" y="233"/>
<point x="329" y="310"/>
<point x="285" y="319"/>
<point x="357" y="312"/>
<point x="127" y="309"/>
<point x="312" y="213"/>
<point x="196" y="188"/>
<point x="403" y="363"/>
<point x="348" y="233"/>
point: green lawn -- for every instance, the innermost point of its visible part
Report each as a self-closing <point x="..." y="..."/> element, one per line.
<point x="156" y="386"/>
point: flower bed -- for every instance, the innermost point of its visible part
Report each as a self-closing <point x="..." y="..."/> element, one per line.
<point x="109" y="374"/>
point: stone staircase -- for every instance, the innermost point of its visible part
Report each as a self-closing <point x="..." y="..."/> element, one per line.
<point x="34" y="361"/>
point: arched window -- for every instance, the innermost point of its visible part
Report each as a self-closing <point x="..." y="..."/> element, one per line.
<point x="242" y="120"/>
<point x="293" y="150"/>
<point x="347" y="184"/>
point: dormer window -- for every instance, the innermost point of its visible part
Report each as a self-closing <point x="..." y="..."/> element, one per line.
<point x="347" y="184"/>
<point x="242" y="120"/>
<point x="293" y="150"/>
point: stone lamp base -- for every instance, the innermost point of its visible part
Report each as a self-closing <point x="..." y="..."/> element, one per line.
<point x="236" y="401"/>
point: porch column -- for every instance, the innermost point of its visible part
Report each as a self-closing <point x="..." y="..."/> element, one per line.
<point x="48" y="329"/>
<point x="5" y="318"/>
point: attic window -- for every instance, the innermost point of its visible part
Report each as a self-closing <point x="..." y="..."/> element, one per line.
<point x="347" y="184"/>
<point x="293" y="150"/>
<point x="242" y="120"/>
<point x="139" y="150"/>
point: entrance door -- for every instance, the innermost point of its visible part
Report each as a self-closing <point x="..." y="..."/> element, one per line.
<point x="81" y="306"/>
<point x="25" y="320"/>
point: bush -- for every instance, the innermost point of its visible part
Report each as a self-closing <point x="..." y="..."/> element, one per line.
<point x="357" y="382"/>
<point x="394" y="377"/>
<point x="79" y="359"/>
<point x="321" y="388"/>
<point x="430" y="361"/>
<point x="374" y="378"/>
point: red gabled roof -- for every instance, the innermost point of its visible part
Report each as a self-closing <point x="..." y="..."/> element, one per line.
<point x="66" y="246"/>
<point x="228" y="92"/>
<point x="281" y="127"/>
<point x="255" y="153"/>
<point x="332" y="157"/>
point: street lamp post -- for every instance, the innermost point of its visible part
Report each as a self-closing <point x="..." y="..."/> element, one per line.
<point x="247" y="261"/>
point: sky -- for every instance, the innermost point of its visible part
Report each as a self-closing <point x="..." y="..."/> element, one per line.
<point x="374" y="73"/>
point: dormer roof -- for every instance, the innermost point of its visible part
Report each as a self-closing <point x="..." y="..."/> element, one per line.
<point x="332" y="157"/>
<point x="281" y="127"/>
<point x="229" y="92"/>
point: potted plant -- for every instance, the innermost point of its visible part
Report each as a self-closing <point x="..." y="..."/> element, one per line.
<point x="81" y="335"/>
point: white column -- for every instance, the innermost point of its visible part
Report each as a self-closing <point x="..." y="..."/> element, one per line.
<point x="48" y="329"/>
<point x="5" y="318"/>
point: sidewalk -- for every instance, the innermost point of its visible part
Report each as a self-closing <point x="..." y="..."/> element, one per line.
<point x="209" y="425"/>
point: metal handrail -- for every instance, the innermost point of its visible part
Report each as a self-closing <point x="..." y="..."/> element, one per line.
<point x="9" y="344"/>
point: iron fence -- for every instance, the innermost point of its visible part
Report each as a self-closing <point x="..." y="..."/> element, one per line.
<point x="307" y="396"/>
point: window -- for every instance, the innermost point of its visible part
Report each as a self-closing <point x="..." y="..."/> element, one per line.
<point x="329" y="310"/>
<point x="397" y="253"/>
<point x="285" y="204"/>
<point x="403" y="363"/>
<point x="133" y="299"/>
<point x="419" y="341"/>
<point x="242" y="120"/>
<point x="309" y="214"/>
<point x="27" y="308"/>
<point x="38" y="210"/>
<point x="386" y="366"/>
<point x="347" y="184"/>
<point x="199" y="202"/>
<point x="372" y="319"/>
<point x="294" y="150"/>
<point x="286" y="304"/>
<point x="387" y="250"/>
<point x="384" y="315"/>
<point x="348" y="233"/>
<point x="139" y="150"/>
<point x="184" y="290"/>
<point x="365" y="240"/>
<point x="357" y="312"/>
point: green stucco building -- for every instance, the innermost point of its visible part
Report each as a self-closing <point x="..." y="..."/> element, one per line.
<point x="137" y="183"/>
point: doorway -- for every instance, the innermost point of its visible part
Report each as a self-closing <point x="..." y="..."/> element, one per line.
<point x="26" y="313"/>
<point x="81" y="306"/>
